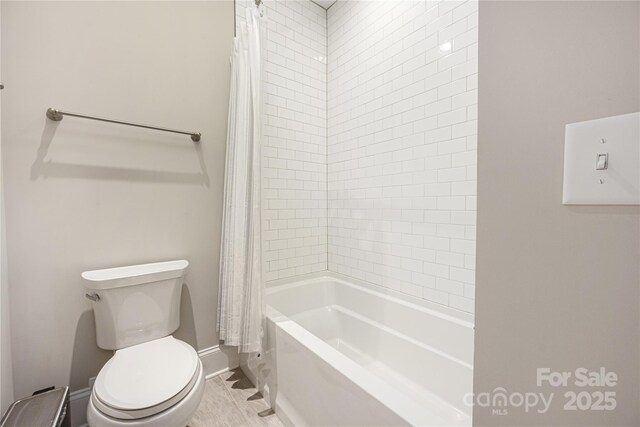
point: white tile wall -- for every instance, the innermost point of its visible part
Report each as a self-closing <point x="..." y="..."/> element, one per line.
<point x="294" y="148"/>
<point x="398" y="143"/>
<point x="402" y="146"/>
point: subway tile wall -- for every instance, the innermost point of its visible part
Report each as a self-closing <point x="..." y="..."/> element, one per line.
<point x="402" y="108"/>
<point x="389" y="127"/>
<point x="294" y="191"/>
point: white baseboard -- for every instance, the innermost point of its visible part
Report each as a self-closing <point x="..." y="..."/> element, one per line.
<point x="218" y="359"/>
<point x="215" y="360"/>
<point x="78" y="401"/>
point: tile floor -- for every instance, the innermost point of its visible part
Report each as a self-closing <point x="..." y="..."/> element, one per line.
<point x="231" y="400"/>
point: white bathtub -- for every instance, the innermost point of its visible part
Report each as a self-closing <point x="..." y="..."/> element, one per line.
<point x="340" y="353"/>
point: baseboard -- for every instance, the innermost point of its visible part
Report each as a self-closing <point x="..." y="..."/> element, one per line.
<point x="215" y="360"/>
<point x="78" y="402"/>
<point x="218" y="359"/>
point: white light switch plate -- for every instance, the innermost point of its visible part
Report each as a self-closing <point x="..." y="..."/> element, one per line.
<point x="619" y="183"/>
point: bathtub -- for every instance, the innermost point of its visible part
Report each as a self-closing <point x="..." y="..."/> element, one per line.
<point x="344" y="353"/>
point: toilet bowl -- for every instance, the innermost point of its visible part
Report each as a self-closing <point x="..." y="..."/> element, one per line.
<point x="153" y="379"/>
<point x="156" y="383"/>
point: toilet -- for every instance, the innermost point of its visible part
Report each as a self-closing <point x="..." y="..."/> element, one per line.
<point x="153" y="379"/>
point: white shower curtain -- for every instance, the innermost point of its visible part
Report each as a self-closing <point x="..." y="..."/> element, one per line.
<point x="240" y="296"/>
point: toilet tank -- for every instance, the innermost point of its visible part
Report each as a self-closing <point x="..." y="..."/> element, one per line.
<point x="135" y="304"/>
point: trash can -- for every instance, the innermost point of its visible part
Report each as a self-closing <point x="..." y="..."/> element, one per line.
<point x="46" y="409"/>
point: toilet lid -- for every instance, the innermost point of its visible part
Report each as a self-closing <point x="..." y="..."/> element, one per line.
<point x="146" y="375"/>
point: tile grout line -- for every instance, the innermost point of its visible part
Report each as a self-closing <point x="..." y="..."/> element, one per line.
<point x="246" y="404"/>
<point x="326" y="120"/>
<point x="233" y="399"/>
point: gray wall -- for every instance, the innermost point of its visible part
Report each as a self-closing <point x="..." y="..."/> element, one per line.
<point x="6" y="368"/>
<point x="557" y="286"/>
<point x="84" y="195"/>
<point x="6" y="372"/>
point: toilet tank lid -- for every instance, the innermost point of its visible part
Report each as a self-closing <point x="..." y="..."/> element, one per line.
<point x="109" y="278"/>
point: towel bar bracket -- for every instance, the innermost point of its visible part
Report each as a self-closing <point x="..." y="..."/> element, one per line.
<point x="52" y="114"/>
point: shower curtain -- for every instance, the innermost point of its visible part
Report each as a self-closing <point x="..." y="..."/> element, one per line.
<point x="240" y="297"/>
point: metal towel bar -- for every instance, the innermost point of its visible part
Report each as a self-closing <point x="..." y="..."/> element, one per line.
<point x="57" y="115"/>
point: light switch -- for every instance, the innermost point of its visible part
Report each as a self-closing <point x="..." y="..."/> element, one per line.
<point x="602" y="161"/>
<point x="614" y="144"/>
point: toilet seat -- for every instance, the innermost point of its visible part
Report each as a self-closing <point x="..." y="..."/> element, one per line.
<point x="145" y="379"/>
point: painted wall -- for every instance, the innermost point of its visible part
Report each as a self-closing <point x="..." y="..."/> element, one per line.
<point x="6" y="370"/>
<point x="83" y="195"/>
<point x="557" y="285"/>
<point x="294" y="145"/>
<point x="402" y="146"/>
<point x="6" y="366"/>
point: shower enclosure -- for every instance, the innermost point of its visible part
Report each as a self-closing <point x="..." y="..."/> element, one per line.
<point x="368" y="211"/>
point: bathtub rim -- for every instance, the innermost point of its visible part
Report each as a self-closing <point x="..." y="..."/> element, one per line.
<point x="459" y="317"/>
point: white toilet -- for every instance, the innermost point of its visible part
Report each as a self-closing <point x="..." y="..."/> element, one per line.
<point x="152" y="379"/>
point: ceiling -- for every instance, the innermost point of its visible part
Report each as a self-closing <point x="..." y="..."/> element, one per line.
<point x="324" y="3"/>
